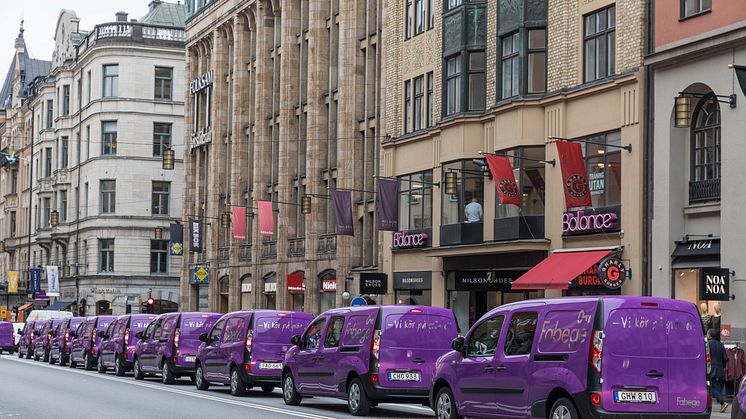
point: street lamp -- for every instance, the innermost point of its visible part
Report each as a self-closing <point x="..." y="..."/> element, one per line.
<point x="158" y="233"/>
<point x="66" y="271"/>
<point x="225" y="219"/>
<point x="683" y="111"/>
<point x="451" y="183"/>
<point x="55" y="218"/>
<point x="168" y="158"/>
<point x="2" y="246"/>
<point x="305" y="204"/>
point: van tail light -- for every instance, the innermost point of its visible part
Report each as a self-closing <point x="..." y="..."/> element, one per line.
<point x="374" y="378"/>
<point x="375" y="346"/>
<point x="67" y="336"/>
<point x="249" y="340"/>
<point x="127" y="336"/>
<point x="247" y="367"/>
<point x="709" y="362"/>
<point x="176" y="339"/>
<point x="596" y="399"/>
<point x="93" y="337"/>
<point x="596" y="352"/>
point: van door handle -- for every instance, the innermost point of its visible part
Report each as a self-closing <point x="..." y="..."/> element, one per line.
<point x="489" y="369"/>
<point x="654" y="374"/>
<point x="418" y="361"/>
<point x="501" y="368"/>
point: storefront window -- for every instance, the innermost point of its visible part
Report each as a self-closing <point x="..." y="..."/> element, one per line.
<point x="270" y="291"/>
<point x="416" y="201"/>
<point x="529" y="175"/>
<point x="246" y="288"/>
<point x="467" y="204"/>
<point x="328" y="297"/>
<point x="470" y="306"/>
<point x="414" y="297"/>
<point x="604" y="165"/>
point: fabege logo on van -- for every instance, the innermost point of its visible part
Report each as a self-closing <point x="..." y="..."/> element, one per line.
<point x="611" y="272"/>
<point x="407" y="240"/>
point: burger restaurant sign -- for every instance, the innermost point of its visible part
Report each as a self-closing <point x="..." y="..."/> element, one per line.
<point x="591" y="221"/>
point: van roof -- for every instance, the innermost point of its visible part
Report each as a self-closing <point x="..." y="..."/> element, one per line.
<point x="389" y="309"/>
<point x="610" y="301"/>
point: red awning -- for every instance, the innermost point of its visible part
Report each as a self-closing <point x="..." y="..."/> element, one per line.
<point x="558" y="270"/>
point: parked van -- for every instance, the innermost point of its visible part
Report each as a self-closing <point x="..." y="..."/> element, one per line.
<point x="7" y="338"/>
<point x="368" y="355"/>
<point x="738" y="408"/>
<point x="28" y="339"/>
<point x="87" y="340"/>
<point x="578" y="357"/>
<point x="246" y="349"/>
<point x="120" y="341"/>
<point x="62" y="340"/>
<point x="18" y="329"/>
<point x="169" y="345"/>
<point x="42" y="315"/>
<point x="42" y="346"/>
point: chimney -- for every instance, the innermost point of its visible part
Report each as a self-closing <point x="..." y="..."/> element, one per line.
<point x="121" y="16"/>
<point x="153" y="4"/>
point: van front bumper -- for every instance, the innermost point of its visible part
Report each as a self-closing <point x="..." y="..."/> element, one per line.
<point x="394" y="395"/>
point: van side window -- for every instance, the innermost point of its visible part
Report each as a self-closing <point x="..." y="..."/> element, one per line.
<point x="110" y="329"/>
<point x="215" y="332"/>
<point x="168" y="327"/>
<point x="234" y="330"/>
<point x="312" y="337"/>
<point x="483" y="340"/>
<point x="521" y="334"/>
<point x="334" y="334"/>
<point x="158" y="328"/>
<point x="149" y="330"/>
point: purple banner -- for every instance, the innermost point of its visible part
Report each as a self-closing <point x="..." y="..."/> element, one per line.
<point x="343" y="212"/>
<point x="387" y="204"/>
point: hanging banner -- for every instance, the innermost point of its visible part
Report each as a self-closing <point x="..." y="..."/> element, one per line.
<point x="53" y="281"/>
<point x="12" y="282"/>
<point x="387" y="204"/>
<point x="266" y="219"/>
<point x="195" y="236"/>
<point x="176" y="242"/>
<point x="343" y="212"/>
<point x="239" y="223"/>
<point x="295" y="283"/>
<point x="34" y="280"/>
<point x="574" y="175"/>
<point x="502" y="173"/>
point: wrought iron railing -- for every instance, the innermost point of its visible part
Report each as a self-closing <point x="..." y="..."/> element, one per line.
<point x="244" y="253"/>
<point x="327" y="244"/>
<point x="297" y="247"/>
<point x="701" y="191"/>
<point x="269" y="250"/>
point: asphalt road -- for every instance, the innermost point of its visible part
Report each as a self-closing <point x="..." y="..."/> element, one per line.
<point x="30" y="389"/>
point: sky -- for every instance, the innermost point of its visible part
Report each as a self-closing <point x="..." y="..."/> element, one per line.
<point x="40" y="18"/>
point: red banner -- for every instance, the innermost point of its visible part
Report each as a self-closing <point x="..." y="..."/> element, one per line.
<point x="295" y="283"/>
<point x="266" y="219"/>
<point x="239" y="223"/>
<point x="502" y="173"/>
<point x="574" y="175"/>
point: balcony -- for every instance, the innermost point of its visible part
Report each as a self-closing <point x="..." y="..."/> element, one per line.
<point x="464" y="233"/>
<point x="244" y="253"/>
<point x="701" y="191"/>
<point x="327" y="245"/>
<point x="224" y="255"/>
<point x="132" y="32"/>
<point x="297" y="247"/>
<point x="269" y="250"/>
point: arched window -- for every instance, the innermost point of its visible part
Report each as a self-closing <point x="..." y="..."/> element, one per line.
<point x="705" y="151"/>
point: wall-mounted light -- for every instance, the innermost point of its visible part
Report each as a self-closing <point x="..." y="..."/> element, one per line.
<point x="683" y="112"/>
<point x="225" y="219"/>
<point x="66" y="271"/>
<point x="54" y="218"/>
<point x="305" y="204"/>
<point x="451" y="183"/>
<point x="168" y="158"/>
<point x="2" y="246"/>
<point x="158" y="233"/>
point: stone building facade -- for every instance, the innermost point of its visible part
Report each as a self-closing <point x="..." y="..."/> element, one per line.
<point x="289" y="106"/>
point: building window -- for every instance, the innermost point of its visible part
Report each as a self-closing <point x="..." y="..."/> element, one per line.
<point x="416" y="201"/>
<point x="407" y="106"/>
<point x="63" y="206"/>
<point x="64" y="152"/>
<point x="604" y="166"/>
<point x="108" y="138"/>
<point x="14" y="181"/>
<point x="431" y="13"/>
<point x="66" y="100"/>
<point x="466" y="205"/>
<point x="159" y="256"/>
<point x="450" y="4"/>
<point x="419" y="16"/>
<point x="163" y="83"/>
<point x="408" y="20"/>
<point x="50" y="113"/>
<point x="537" y="61"/>
<point x="600" y="44"/>
<point x="511" y="73"/>
<point x="453" y="85"/>
<point x="694" y="7"/>
<point x="111" y="80"/>
<point x="161" y="192"/>
<point x="108" y="196"/>
<point x="530" y="177"/>
<point x="88" y="86"/>
<point x="13" y="224"/>
<point x="106" y="255"/>
<point x="48" y="162"/>
<point x="477" y="89"/>
<point x="161" y="138"/>
<point x="704" y="182"/>
<point x="429" y="99"/>
<point x="419" y="96"/>
<point x="46" y="211"/>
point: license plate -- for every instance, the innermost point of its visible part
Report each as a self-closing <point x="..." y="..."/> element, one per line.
<point x="404" y="376"/>
<point x="270" y="365"/>
<point x="190" y="358"/>
<point x="635" y="397"/>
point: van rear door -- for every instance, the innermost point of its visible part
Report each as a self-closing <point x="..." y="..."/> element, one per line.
<point x="653" y="358"/>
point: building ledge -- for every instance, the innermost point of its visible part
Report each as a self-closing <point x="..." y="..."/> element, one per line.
<point x="700" y="209"/>
<point x="490" y="248"/>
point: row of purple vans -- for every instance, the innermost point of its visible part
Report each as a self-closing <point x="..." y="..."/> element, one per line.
<point x="564" y="358"/>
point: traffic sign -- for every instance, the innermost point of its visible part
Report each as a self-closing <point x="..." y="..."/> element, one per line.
<point x="358" y="301"/>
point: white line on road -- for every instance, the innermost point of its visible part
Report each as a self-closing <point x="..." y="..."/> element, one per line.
<point x="177" y="391"/>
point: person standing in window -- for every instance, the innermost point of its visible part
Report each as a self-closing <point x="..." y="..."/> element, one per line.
<point x="473" y="211"/>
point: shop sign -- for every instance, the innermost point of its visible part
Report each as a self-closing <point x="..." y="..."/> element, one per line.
<point x="589" y="221"/>
<point x="201" y="275"/>
<point x="591" y="279"/>
<point x="421" y="280"/>
<point x="611" y="273"/>
<point x="201" y="138"/>
<point x="295" y="283"/>
<point x="714" y="284"/>
<point x="374" y="283"/>
<point x="270" y="287"/>
<point x="329" y="285"/>
<point x="195" y="236"/>
<point x="725" y="331"/>
<point x="407" y="240"/>
<point x="707" y="247"/>
<point x="246" y="287"/>
<point x="201" y="82"/>
<point x="485" y="280"/>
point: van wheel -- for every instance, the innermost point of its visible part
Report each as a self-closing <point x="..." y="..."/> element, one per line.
<point x="199" y="379"/>
<point x="445" y="405"/>
<point x="167" y="374"/>
<point x="101" y="369"/>
<point x="118" y="368"/>
<point x="63" y="363"/>
<point x="29" y="354"/>
<point x="139" y="375"/>
<point x="36" y="357"/>
<point x="20" y="354"/>
<point x="73" y="364"/>
<point x="563" y="409"/>
<point x="268" y="388"/>
<point x="87" y="362"/>
<point x="357" y="401"/>
<point x="46" y="356"/>
<point x="289" y="392"/>
<point x="238" y="388"/>
<point x="51" y="359"/>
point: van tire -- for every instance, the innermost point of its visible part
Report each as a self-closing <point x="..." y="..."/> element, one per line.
<point x="20" y="354"/>
<point x="100" y="368"/>
<point x="46" y="356"/>
<point x="36" y="357"/>
<point x="63" y="363"/>
<point x="357" y="401"/>
<point x="445" y="405"/>
<point x="563" y="408"/>
<point x="87" y="362"/>
<point x="118" y="367"/>
<point x="238" y="388"/>
<point x="139" y="375"/>
<point x="29" y="354"/>
<point x="51" y="359"/>
<point x="72" y="364"/>
<point x="167" y="373"/>
<point x="289" y="391"/>
<point x="199" y="379"/>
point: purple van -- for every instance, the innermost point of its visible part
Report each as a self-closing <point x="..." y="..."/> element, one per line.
<point x="368" y="355"/>
<point x="738" y="409"/>
<point x="170" y="343"/>
<point x="24" y="344"/>
<point x="578" y="357"/>
<point x="62" y="340"/>
<point x="246" y="349"/>
<point x="87" y="340"/>
<point x="43" y="341"/>
<point x="7" y="338"/>
<point x="120" y="341"/>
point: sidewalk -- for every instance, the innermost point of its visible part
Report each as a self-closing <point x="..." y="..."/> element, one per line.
<point x="716" y="412"/>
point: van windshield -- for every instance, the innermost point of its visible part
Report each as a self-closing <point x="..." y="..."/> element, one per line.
<point x="417" y="330"/>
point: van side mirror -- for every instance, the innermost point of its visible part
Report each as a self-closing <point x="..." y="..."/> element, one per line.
<point x="458" y="344"/>
<point x="295" y="340"/>
<point x="139" y="335"/>
<point x="203" y="337"/>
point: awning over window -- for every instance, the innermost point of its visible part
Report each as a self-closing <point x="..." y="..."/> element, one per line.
<point x="558" y="270"/>
<point x="60" y="305"/>
<point x="25" y="306"/>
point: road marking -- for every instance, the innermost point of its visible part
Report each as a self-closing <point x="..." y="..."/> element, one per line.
<point x="176" y="391"/>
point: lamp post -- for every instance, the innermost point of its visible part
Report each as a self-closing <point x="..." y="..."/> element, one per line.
<point x="305" y="204"/>
<point x="54" y="218"/>
<point x="158" y="233"/>
<point x="451" y="183"/>
<point x="683" y="111"/>
<point x="225" y="219"/>
<point x="169" y="156"/>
